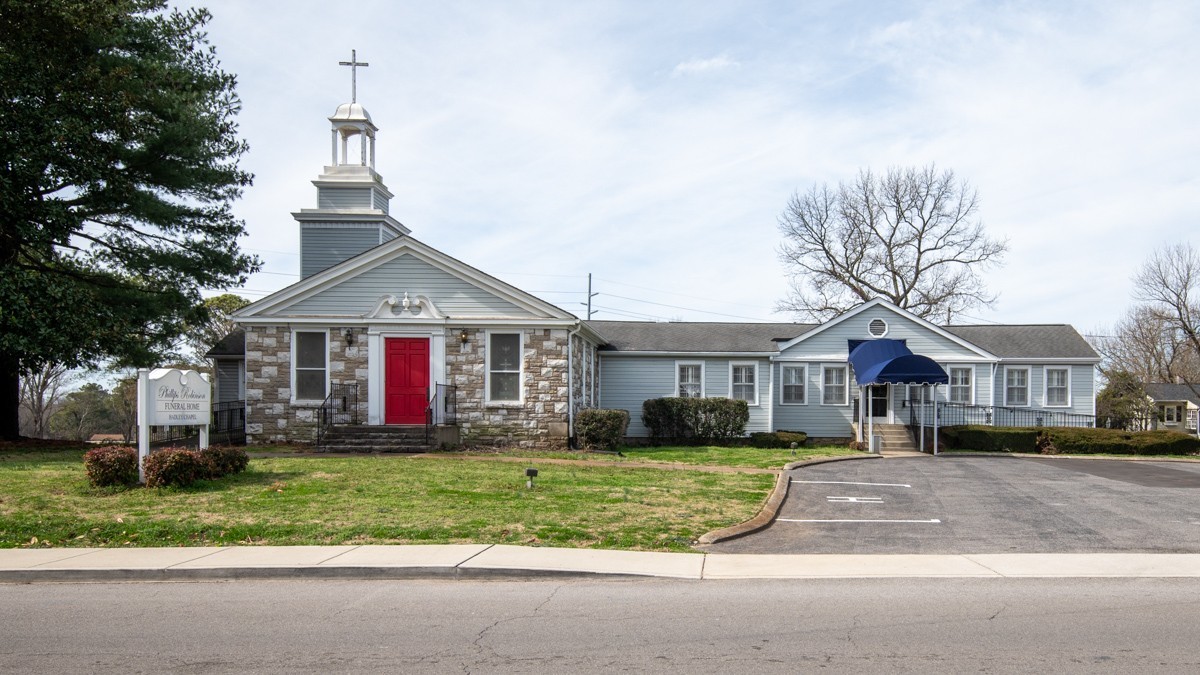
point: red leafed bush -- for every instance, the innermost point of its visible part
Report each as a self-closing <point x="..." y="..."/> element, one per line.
<point x="223" y="460"/>
<point x="173" y="466"/>
<point x="111" y="465"/>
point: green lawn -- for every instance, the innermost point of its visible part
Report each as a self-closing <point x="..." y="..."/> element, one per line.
<point x="740" y="457"/>
<point x="45" y="500"/>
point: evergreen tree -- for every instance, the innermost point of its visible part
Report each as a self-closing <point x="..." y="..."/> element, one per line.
<point x="119" y="154"/>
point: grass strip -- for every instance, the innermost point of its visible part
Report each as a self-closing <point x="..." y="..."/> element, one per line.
<point x="45" y="500"/>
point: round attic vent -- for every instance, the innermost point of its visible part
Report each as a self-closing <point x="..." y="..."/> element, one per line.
<point x="877" y="327"/>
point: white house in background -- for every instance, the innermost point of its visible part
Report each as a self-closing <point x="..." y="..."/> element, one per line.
<point x="1177" y="405"/>
<point x="383" y="330"/>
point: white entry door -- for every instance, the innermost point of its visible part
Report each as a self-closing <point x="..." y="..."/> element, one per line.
<point x="880" y="401"/>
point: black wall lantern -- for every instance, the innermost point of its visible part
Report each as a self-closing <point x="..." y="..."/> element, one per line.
<point x="348" y="335"/>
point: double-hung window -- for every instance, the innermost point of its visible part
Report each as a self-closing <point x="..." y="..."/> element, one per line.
<point x="1058" y="387"/>
<point x="1016" y="386"/>
<point x="743" y="382"/>
<point x="1171" y="414"/>
<point x="960" y="385"/>
<point x="311" y="365"/>
<point x="834" y="386"/>
<point x="689" y="379"/>
<point x="504" y="367"/>
<point x="793" y="379"/>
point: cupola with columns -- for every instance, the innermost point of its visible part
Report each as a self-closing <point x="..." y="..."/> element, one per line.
<point x="352" y="200"/>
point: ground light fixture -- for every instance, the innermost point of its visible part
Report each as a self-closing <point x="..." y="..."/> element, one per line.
<point x="530" y="474"/>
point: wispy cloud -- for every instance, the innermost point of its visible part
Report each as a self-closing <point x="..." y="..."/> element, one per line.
<point x="702" y="66"/>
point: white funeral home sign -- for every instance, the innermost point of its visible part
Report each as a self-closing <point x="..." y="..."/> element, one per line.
<point x="179" y="397"/>
<point x="171" y="397"/>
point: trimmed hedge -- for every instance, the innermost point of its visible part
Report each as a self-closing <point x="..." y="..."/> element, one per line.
<point x="111" y="465"/>
<point x="173" y="466"/>
<point x="695" y="420"/>
<point x="223" y="460"/>
<point x="1067" y="440"/>
<point x="600" y="428"/>
<point x="777" y="439"/>
<point x="990" y="439"/>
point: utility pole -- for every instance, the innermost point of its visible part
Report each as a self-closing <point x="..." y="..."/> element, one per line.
<point x="590" y="295"/>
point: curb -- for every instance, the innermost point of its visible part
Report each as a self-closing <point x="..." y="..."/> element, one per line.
<point x="1036" y="455"/>
<point x="770" y="510"/>
<point x="30" y="576"/>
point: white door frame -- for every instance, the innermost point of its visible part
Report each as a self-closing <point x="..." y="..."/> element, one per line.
<point x="376" y="368"/>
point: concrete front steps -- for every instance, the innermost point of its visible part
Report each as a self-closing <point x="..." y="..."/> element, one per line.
<point x="363" y="438"/>
<point x="895" y="438"/>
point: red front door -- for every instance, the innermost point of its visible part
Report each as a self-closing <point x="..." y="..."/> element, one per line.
<point x="406" y="381"/>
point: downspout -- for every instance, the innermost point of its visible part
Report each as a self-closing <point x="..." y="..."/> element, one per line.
<point x="571" y="382"/>
<point x="992" y="393"/>
<point x="771" y="394"/>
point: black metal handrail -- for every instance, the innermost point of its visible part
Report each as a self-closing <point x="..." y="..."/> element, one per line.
<point x="339" y="407"/>
<point x="442" y="408"/>
<point x="961" y="414"/>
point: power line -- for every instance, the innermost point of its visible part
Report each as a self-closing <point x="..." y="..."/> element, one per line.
<point x="688" y="309"/>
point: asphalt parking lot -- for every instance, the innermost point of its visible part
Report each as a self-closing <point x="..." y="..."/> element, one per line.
<point x="984" y="505"/>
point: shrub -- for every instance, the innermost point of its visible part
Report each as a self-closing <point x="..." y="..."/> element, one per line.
<point x="1069" y="440"/>
<point x="695" y="420"/>
<point x="777" y="439"/>
<point x="111" y="465"/>
<point x="601" y="429"/>
<point x="173" y="466"/>
<point x="223" y="460"/>
<point x="990" y="439"/>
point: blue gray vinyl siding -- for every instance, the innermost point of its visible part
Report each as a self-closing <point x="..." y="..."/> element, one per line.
<point x="360" y="294"/>
<point x="921" y="340"/>
<point x="813" y="418"/>
<point x="380" y="200"/>
<point x="628" y="381"/>
<point x="324" y="247"/>
<point x="1083" y="386"/>
<point x="387" y="235"/>
<point x="344" y="198"/>
<point x="229" y="376"/>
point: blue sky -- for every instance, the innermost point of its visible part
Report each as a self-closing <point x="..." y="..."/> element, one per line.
<point x="654" y="144"/>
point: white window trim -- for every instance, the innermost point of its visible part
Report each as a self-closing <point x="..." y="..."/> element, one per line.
<point x="1046" y="386"/>
<point x="754" y="364"/>
<point x="845" y="384"/>
<point x="803" y="382"/>
<point x="1173" y="417"/>
<point x="1028" y="386"/>
<point x="949" y="384"/>
<point x="487" y="369"/>
<point x="689" y="363"/>
<point x="292" y="383"/>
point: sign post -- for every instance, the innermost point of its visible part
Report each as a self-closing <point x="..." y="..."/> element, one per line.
<point x="171" y="397"/>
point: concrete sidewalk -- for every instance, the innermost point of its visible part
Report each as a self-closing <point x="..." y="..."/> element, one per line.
<point x="516" y="562"/>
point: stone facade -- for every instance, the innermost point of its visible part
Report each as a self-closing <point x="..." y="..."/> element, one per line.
<point x="271" y="416"/>
<point x="540" y="419"/>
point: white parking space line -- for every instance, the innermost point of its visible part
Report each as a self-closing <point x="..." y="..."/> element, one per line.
<point x="798" y="520"/>
<point x="855" y="500"/>
<point x="845" y="482"/>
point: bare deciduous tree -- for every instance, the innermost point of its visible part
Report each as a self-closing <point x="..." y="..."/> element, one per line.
<point x="1144" y="344"/>
<point x="1169" y="285"/>
<point x="41" y="391"/>
<point x="911" y="236"/>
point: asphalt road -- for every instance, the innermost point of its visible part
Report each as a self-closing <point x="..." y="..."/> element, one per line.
<point x="985" y="505"/>
<point x="893" y="625"/>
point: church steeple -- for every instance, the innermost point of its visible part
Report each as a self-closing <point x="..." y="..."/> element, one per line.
<point x="352" y="200"/>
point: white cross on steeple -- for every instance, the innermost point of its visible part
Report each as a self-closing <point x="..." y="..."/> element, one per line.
<point x="354" y="63"/>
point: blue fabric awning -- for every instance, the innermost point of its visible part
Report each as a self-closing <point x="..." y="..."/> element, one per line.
<point x="891" y="361"/>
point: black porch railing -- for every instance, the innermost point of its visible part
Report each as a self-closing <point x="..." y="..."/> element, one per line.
<point x="961" y="414"/>
<point x="228" y="423"/>
<point x="442" y="408"/>
<point x="339" y="408"/>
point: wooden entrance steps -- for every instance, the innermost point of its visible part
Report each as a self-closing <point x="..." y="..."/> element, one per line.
<point x="364" y="438"/>
<point x="895" y="437"/>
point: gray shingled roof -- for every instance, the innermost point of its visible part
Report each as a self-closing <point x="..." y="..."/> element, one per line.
<point x="1048" y="341"/>
<point x="646" y="336"/>
<point x="1042" y="341"/>
<point x="233" y="344"/>
<point x="1165" y="391"/>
